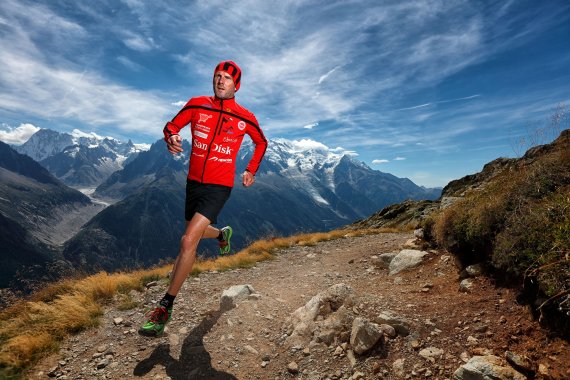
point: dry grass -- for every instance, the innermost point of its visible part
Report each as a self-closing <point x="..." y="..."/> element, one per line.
<point x="31" y="329"/>
<point x="518" y="224"/>
<point x="34" y="328"/>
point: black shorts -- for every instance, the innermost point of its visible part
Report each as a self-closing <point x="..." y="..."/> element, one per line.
<point x="207" y="199"/>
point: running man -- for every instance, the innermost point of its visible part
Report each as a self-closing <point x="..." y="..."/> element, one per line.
<point x="218" y="124"/>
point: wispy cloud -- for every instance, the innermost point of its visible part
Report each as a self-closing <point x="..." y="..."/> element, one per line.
<point x="324" y="77"/>
<point x="378" y="162"/>
<point x="311" y="126"/>
<point x="439" y="102"/>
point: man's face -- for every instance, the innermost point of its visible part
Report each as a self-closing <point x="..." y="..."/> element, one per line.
<point x="224" y="86"/>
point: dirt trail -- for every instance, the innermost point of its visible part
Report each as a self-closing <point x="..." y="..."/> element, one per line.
<point x="247" y="342"/>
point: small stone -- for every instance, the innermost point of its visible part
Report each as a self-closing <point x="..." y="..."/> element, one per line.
<point x="293" y="368"/>
<point x="466" y="285"/>
<point x="544" y="370"/>
<point x="151" y="284"/>
<point x="339" y="351"/>
<point x="264" y="364"/>
<point x="519" y="362"/>
<point x="306" y="351"/>
<point x="431" y="353"/>
<point x="52" y="372"/>
<point x="502" y="319"/>
<point x="102" y="348"/>
<point x="415" y="344"/>
<point x="102" y="364"/>
<point x="472" y="341"/>
<point x="357" y="375"/>
<point x="62" y="363"/>
<point x="251" y="350"/>
<point x="117" y="321"/>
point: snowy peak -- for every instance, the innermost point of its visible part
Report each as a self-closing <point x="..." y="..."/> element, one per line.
<point x="333" y="177"/>
<point x="45" y="143"/>
<point x="81" y="160"/>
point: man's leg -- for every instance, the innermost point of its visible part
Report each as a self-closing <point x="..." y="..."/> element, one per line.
<point x="196" y="229"/>
<point x="211" y="232"/>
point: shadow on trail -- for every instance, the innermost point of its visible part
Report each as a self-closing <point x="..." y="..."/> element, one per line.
<point x="194" y="362"/>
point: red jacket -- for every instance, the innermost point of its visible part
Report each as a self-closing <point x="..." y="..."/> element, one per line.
<point x="217" y="127"/>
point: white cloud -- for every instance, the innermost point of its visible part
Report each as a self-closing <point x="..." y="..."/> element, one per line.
<point x="377" y="162"/>
<point x="179" y="103"/>
<point x="310" y="126"/>
<point x="308" y="144"/>
<point x="139" y="43"/>
<point x="399" y="158"/>
<point x="19" y="135"/>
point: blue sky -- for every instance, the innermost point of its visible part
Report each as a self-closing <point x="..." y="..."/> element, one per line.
<point x="428" y="90"/>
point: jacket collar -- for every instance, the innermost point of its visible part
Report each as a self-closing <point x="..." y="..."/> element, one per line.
<point x="227" y="102"/>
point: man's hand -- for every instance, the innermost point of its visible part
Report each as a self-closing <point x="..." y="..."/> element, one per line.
<point x="174" y="144"/>
<point x="247" y="179"/>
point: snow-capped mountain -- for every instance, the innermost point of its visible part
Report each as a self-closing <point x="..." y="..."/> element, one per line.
<point x="334" y="177"/>
<point x="81" y="160"/>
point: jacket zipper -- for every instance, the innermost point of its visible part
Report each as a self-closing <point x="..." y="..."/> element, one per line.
<point x="218" y="124"/>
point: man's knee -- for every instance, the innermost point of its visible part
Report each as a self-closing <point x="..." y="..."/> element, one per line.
<point x="189" y="241"/>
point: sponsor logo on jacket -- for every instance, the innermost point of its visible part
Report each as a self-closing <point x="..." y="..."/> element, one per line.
<point x="202" y="127"/>
<point x="224" y="149"/>
<point x="200" y="134"/>
<point x="199" y="145"/>
<point x="225" y="160"/>
<point x="204" y="117"/>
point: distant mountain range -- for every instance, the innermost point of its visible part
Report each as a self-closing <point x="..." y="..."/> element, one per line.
<point x="301" y="186"/>
<point x="79" y="159"/>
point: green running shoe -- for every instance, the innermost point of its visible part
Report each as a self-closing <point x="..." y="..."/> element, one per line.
<point x="225" y="245"/>
<point x="157" y="319"/>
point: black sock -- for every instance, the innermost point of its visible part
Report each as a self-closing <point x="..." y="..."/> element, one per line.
<point x="221" y="236"/>
<point x="167" y="301"/>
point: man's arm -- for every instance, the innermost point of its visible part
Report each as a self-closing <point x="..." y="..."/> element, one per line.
<point x="256" y="135"/>
<point x="172" y="128"/>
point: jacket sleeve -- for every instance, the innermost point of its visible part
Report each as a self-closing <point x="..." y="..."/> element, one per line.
<point x="179" y="121"/>
<point x="256" y="134"/>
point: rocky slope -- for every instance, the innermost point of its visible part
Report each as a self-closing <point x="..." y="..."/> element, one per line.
<point x="336" y="310"/>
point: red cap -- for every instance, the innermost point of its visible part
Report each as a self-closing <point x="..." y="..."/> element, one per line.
<point x="231" y="68"/>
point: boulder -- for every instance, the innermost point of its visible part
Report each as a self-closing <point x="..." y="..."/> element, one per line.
<point x="234" y="294"/>
<point x="487" y="368"/>
<point x="364" y="335"/>
<point x="406" y="259"/>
